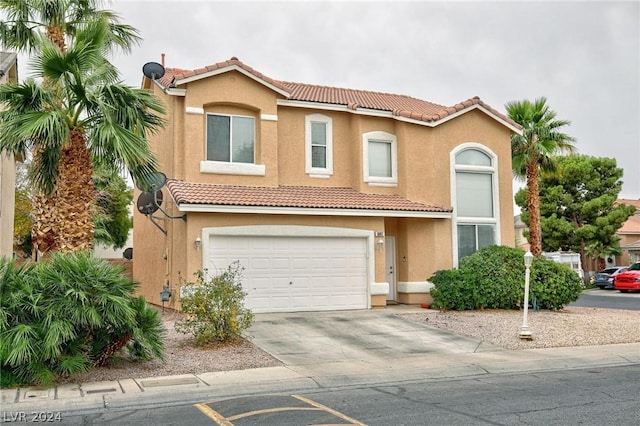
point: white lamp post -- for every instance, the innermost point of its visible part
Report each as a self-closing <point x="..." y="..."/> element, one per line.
<point x="525" y="333"/>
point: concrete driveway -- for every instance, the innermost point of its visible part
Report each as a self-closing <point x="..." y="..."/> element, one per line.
<point x="308" y="338"/>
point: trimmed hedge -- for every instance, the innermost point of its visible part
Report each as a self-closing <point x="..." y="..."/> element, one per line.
<point x="493" y="278"/>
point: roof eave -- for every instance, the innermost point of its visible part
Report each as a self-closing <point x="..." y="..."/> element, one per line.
<point x="234" y="67"/>
<point x="217" y="208"/>
<point x="390" y="114"/>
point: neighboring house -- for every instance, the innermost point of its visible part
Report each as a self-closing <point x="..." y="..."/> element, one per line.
<point x="8" y="74"/>
<point x="330" y="198"/>
<point x="629" y="235"/>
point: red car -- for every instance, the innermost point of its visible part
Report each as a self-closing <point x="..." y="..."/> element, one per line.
<point x="628" y="280"/>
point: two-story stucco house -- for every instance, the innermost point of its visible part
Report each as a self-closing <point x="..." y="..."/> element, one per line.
<point x="330" y="198"/>
<point x="629" y="234"/>
<point x="8" y="74"/>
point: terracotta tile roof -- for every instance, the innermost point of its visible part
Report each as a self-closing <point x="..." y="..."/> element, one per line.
<point x="631" y="225"/>
<point x="292" y="196"/>
<point x="398" y="105"/>
<point x="630" y="202"/>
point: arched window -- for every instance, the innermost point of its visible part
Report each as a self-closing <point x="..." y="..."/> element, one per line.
<point x="476" y="205"/>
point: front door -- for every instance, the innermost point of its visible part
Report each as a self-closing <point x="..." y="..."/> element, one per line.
<point x="390" y="265"/>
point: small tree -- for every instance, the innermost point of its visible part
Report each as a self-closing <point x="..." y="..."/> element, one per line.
<point x="215" y="307"/>
<point x="22" y="222"/>
<point x="112" y="218"/>
<point x="578" y="206"/>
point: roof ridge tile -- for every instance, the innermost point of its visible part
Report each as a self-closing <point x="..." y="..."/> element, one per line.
<point x="397" y="104"/>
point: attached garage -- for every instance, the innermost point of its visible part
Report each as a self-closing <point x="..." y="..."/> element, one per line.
<point x="295" y="272"/>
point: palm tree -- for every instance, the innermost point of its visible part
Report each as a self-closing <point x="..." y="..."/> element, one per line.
<point x="533" y="151"/>
<point x="25" y="22"/>
<point x="78" y="112"/>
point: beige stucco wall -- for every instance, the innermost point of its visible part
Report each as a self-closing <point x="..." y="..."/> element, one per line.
<point x="7" y="203"/>
<point x="158" y="262"/>
<point x="7" y="173"/>
<point x="423" y="245"/>
<point x="625" y="240"/>
<point x="230" y="93"/>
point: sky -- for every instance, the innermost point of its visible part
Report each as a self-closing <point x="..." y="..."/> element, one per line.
<point x="584" y="57"/>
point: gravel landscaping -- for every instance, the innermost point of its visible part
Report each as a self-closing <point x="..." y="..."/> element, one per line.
<point x="572" y="326"/>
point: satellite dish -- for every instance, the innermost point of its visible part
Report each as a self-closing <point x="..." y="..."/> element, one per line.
<point x="152" y="183"/>
<point x="128" y="253"/>
<point x="148" y="202"/>
<point x="153" y="70"/>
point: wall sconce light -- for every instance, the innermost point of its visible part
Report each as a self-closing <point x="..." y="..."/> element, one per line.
<point x="380" y="244"/>
<point x="197" y="243"/>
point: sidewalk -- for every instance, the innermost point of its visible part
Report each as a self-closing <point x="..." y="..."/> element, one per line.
<point x="455" y="358"/>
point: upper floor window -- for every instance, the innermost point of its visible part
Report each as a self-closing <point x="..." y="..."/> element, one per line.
<point x="230" y="138"/>
<point x="318" y="145"/>
<point x="380" y="163"/>
<point x="476" y="207"/>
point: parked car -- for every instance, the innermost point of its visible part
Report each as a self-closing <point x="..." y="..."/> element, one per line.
<point x="628" y="280"/>
<point x="606" y="277"/>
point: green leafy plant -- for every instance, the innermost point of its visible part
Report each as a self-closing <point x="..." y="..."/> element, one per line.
<point x="493" y="277"/>
<point x="215" y="307"/>
<point x="554" y="284"/>
<point x="65" y="315"/>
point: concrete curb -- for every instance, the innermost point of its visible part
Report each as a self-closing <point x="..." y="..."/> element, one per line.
<point x="172" y="390"/>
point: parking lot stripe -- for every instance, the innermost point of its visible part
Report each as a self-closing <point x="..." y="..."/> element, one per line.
<point x="213" y="414"/>
<point x="330" y="410"/>
<point x="271" y="410"/>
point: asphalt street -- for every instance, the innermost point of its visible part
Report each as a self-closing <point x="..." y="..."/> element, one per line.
<point x="593" y="396"/>
<point x="361" y="367"/>
<point x="612" y="299"/>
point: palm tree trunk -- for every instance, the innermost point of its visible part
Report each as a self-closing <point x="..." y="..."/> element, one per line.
<point x="43" y="230"/>
<point x="45" y="219"/>
<point x="45" y="213"/>
<point x="533" y="206"/>
<point x="56" y="35"/>
<point x="76" y="196"/>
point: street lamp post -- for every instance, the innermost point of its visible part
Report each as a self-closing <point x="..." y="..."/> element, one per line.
<point x="525" y="333"/>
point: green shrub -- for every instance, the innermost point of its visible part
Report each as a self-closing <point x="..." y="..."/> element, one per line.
<point x="452" y="290"/>
<point x="493" y="277"/>
<point x="553" y="284"/>
<point x="497" y="273"/>
<point x="69" y="313"/>
<point x="215" y="307"/>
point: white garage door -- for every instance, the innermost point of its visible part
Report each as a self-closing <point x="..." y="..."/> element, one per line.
<point x="289" y="274"/>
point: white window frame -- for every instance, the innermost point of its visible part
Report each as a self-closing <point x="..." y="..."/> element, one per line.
<point x="380" y="136"/>
<point x="461" y="220"/>
<point x="318" y="172"/>
<point x="475" y="226"/>
<point x="230" y="167"/>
